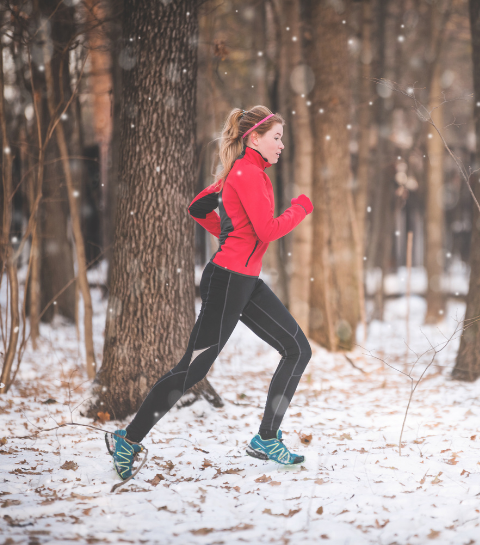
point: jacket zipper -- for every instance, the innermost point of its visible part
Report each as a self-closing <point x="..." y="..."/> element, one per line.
<point x="246" y="264"/>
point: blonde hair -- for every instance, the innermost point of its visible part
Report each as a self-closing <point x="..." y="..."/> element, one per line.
<point x="236" y="125"/>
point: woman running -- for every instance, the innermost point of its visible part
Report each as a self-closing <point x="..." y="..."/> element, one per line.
<point x="231" y="289"/>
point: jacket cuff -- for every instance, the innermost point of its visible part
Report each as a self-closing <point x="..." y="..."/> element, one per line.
<point x="298" y="204"/>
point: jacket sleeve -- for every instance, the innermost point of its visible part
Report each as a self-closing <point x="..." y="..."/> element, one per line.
<point x="201" y="209"/>
<point x="253" y="194"/>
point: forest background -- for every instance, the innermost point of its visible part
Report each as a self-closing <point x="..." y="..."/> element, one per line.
<point x="110" y="120"/>
<point x="110" y="126"/>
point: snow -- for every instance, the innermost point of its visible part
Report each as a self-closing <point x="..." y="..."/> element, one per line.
<point x="353" y="489"/>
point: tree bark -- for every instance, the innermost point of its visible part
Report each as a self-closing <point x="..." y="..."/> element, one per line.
<point x="467" y="365"/>
<point x="300" y="79"/>
<point x="434" y="217"/>
<point x="334" y="289"/>
<point x="151" y="309"/>
<point x="6" y="249"/>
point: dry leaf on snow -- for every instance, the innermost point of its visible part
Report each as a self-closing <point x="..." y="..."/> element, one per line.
<point x="70" y="464"/>
<point x="202" y="531"/>
<point x="103" y="417"/>
<point x="263" y="479"/>
<point x="206" y="463"/>
<point x="289" y="514"/>
<point x="158" y="477"/>
<point x="304" y="438"/>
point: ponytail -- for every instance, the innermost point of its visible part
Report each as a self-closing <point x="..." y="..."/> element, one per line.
<point x="237" y="124"/>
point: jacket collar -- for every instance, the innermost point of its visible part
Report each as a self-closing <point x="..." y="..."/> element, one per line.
<point x="256" y="158"/>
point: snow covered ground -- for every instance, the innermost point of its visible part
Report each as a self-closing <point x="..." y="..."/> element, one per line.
<point x="199" y="487"/>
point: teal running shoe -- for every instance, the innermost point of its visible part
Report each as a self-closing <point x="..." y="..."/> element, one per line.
<point x="273" y="449"/>
<point x="123" y="452"/>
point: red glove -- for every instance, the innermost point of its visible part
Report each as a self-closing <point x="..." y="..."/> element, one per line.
<point x="305" y="202"/>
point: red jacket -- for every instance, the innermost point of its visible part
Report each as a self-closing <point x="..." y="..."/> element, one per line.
<point x="246" y="224"/>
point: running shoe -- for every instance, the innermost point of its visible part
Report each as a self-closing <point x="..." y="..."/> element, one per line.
<point x="123" y="452"/>
<point x="273" y="449"/>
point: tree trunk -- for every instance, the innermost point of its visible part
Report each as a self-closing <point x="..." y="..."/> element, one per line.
<point x="111" y="189"/>
<point x="363" y="172"/>
<point x="434" y="220"/>
<point x="56" y="252"/>
<point x="151" y="309"/>
<point x="467" y="365"/>
<point x="276" y="256"/>
<point x="382" y="185"/>
<point x="334" y="288"/>
<point x="60" y="133"/>
<point x="101" y="88"/>
<point x="6" y="249"/>
<point x="301" y="80"/>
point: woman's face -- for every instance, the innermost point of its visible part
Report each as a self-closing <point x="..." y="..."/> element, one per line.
<point x="269" y="144"/>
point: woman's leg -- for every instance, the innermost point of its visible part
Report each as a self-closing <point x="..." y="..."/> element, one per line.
<point x="267" y="316"/>
<point x="224" y="294"/>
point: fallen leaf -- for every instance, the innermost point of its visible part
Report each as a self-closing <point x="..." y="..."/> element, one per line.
<point x="263" y="479"/>
<point x="201" y="450"/>
<point x="75" y="496"/>
<point x="158" y="477"/>
<point x="452" y="461"/>
<point x="379" y="525"/>
<point x="320" y="511"/>
<point x="3" y="441"/>
<point x="275" y="483"/>
<point x="70" y="465"/>
<point x="346" y="436"/>
<point x="433" y="534"/>
<point x="304" y="438"/>
<point x="436" y="480"/>
<point x="473" y="437"/>
<point x="465" y="472"/>
<point x="103" y="417"/>
<point x="289" y="514"/>
<point x="239" y="527"/>
<point x="206" y="463"/>
<point x="202" y="531"/>
<point x="320" y="481"/>
<point x="8" y="503"/>
<point x="49" y="401"/>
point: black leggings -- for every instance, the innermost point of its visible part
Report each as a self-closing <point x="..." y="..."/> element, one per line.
<point x="226" y="298"/>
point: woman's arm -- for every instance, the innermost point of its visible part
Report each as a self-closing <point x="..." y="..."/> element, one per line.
<point x="201" y="209"/>
<point x="253" y="193"/>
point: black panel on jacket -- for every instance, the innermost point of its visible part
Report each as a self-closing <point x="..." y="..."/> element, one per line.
<point x="205" y="205"/>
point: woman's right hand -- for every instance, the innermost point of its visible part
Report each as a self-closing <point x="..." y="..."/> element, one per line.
<point x="304" y="201"/>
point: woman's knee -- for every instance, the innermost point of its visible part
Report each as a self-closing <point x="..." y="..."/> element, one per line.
<point x="303" y="346"/>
